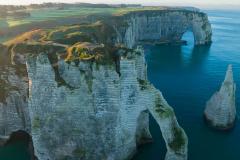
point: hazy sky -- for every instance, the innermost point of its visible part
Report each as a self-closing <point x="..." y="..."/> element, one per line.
<point x="204" y="3"/>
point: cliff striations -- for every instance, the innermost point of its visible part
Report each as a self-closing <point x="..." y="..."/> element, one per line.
<point x="102" y="113"/>
<point x="81" y="91"/>
<point x="220" y="111"/>
<point x="164" y="26"/>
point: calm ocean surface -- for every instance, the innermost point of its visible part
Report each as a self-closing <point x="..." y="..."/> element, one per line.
<point x="187" y="77"/>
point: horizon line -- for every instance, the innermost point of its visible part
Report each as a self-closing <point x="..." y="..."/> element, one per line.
<point x="217" y="6"/>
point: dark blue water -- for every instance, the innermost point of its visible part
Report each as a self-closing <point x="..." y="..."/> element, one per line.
<point x="16" y="151"/>
<point x="187" y="77"/>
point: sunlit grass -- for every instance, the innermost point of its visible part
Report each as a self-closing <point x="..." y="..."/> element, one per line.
<point x="122" y="11"/>
<point x="39" y="15"/>
<point x="12" y="23"/>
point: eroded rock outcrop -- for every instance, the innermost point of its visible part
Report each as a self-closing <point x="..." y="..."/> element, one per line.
<point x="220" y="111"/>
<point x="104" y="113"/>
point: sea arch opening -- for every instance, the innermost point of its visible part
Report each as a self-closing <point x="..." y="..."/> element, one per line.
<point x="151" y="142"/>
<point x="189" y="38"/>
<point x="193" y="55"/>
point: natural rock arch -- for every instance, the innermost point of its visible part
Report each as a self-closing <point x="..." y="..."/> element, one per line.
<point x="163" y="27"/>
<point x="143" y="134"/>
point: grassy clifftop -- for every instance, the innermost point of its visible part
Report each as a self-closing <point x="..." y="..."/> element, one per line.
<point x="43" y="17"/>
<point x="98" y="32"/>
<point x="41" y="14"/>
<point x="74" y="43"/>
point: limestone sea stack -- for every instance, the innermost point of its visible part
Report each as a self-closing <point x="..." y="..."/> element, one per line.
<point x="220" y="111"/>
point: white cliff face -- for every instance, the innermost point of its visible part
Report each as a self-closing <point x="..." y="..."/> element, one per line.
<point x="103" y="113"/>
<point x="163" y="26"/>
<point x="221" y="110"/>
<point x="13" y="102"/>
<point x="13" y="97"/>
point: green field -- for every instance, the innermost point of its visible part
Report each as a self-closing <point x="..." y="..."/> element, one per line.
<point x="52" y="13"/>
<point x="38" y="15"/>
<point x="48" y="14"/>
<point x="11" y="27"/>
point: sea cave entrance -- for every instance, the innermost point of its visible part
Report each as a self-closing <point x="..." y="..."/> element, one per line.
<point x="20" y="143"/>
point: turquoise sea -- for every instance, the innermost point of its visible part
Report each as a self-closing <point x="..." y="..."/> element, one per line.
<point x="187" y="77"/>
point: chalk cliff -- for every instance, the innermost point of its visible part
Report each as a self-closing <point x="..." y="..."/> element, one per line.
<point x="220" y="111"/>
<point x="103" y="115"/>
<point x="13" y="95"/>
<point x="93" y="103"/>
<point x="163" y="26"/>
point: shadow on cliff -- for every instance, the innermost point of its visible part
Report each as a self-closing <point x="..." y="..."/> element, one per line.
<point x="4" y="55"/>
